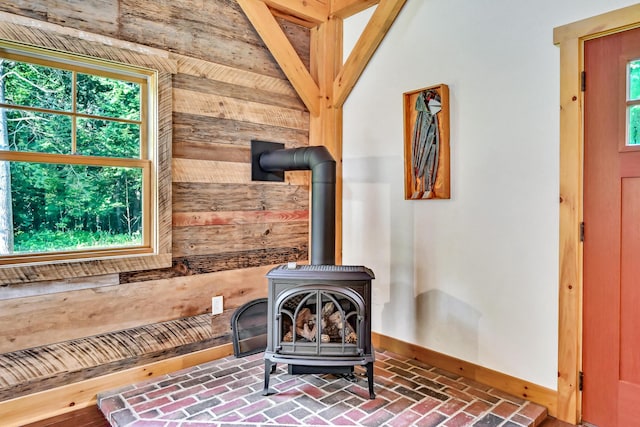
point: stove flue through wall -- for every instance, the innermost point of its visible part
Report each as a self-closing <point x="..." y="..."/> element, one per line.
<point x="318" y="315"/>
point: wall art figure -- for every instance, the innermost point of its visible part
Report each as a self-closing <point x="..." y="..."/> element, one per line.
<point x="426" y="133"/>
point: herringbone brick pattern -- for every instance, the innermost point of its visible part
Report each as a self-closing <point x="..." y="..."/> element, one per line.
<point x="228" y="392"/>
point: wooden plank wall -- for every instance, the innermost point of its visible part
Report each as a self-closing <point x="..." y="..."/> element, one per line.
<point x="227" y="231"/>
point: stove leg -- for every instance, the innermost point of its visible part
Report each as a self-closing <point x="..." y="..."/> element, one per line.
<point x="372" y="394"/>
<point x="269" y="368"/>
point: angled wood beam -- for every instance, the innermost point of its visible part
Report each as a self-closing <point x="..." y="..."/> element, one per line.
<point x="315" y="11"/>
<point x="369" y="40"/>
<point x="281" y="49"/>
<point x="346" y="8"/>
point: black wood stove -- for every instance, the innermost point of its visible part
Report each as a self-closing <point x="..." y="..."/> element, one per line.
<point x="319" y="321"/>
<point x="318" y="317"/>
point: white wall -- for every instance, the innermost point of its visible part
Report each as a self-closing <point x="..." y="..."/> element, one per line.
<point x="476" y="276"/>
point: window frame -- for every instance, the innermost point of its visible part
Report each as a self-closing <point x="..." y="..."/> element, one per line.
<point x="106" y="54"/>
<point x="629" y="103"/>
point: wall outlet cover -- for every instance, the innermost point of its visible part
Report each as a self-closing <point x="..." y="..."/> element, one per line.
<point x="217" y="305"/>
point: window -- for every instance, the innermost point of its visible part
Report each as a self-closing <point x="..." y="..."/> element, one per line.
<point x="633" y="103"/>
<point x="77" y="167"/>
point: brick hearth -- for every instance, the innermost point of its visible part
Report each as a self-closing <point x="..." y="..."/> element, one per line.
<point x="227" y="392"/>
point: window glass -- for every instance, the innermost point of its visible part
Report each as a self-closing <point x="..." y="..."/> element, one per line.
<point x="72" y="175"/>
<point x="108" y="138"/>
<point x="38" y="132"/>
<point x="634" y="80"/>
<point x="633" y="103"/>
<point x="59" y="207"/>
<point x="633" y="132"/>
<point x="106" y="97"/>
<point x="33" y="85"/>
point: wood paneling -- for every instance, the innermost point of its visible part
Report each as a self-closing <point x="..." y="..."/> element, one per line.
<point x="98" y="16"/>
<point x="39" y="320"/>
<point x="227" y="231"/>
<point x="212" y="105"/>
<point x="61" y="400"/>
<point x="287" y="57"/>
<point x="191" y="128"/>
<point x="203" y="197"/>
<point x="188" y="241"/>
<point x="202" y="264"/>
<point x="229" y="90"/>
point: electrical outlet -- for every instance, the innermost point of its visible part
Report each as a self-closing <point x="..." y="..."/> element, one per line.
<point x="216" y="305"/>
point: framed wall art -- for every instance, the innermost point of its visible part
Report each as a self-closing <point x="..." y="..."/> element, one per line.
<point x="426" y="143"/>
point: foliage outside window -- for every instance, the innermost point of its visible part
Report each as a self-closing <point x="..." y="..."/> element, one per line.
<point x="633" y="102"/>
<point x="75" y="158"/>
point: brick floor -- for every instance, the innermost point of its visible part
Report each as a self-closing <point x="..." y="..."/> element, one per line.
<point x="228" y="392"/>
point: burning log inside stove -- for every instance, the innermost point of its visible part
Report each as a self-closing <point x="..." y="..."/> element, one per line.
<point x="334" y="326"/>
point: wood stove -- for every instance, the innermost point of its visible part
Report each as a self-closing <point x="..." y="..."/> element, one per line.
<point x="318" y="320"/>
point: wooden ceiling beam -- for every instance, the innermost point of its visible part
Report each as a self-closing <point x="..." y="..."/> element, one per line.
<point x="283" y="52"/>
<point x="346" y="8"/>
<point x="315" y="11"/>
<point x="369" y="40"/>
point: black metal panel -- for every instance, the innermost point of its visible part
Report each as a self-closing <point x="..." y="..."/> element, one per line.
<point x="249" y="328"/>
<point x="257" y="173"/>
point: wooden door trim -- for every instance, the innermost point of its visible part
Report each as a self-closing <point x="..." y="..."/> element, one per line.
<point x="570" y="38"/>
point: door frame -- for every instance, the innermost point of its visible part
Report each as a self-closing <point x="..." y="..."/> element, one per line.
<point x="570" y="39"/>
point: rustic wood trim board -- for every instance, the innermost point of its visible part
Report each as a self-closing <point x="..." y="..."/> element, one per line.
<point x="570" y="38"/>
<point x="68" y="398"/>
<point x="512" y="385"/>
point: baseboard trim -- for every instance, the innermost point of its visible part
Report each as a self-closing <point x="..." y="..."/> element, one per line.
<point x="50" y="403"/>
<point x="512" y="385"/>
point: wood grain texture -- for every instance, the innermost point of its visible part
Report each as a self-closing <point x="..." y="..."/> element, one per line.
<point x="234" y="76"/>
<point x="281" y="48"/>
<point x="61" y="270"/>
<point x="59" y="317"/>
<point x="202" y="264"/>
<point x="70" y="40"/>
<point x="207" y="171"/>
<point x="209" y="105"/>
<point x="315" y="11"/>
<point x="188" y="241"/>
<point x="85" y="417"/>
<point x="40" y="368"/>
<point x="346" y="8"/>
<point x="214" y="197"/>
<point x="61" y="400"/>
<point x="215" y="31"/>
<point x="186" y="219"/>
<point x="211" y="151"/>
<point x="90" y="15"/>
<point x="229" y="90"/>
<point x="21" y="290"/>
<point x="191" y="128"/>
<point x="247" y="93"/>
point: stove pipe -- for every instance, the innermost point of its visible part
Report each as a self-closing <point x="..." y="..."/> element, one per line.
<point x="323" y="193"/>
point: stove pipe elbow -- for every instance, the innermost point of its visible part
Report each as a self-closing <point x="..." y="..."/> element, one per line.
<point x="323" y="193"/>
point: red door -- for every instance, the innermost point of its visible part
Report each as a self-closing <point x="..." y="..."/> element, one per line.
<point x="611" y="328"/>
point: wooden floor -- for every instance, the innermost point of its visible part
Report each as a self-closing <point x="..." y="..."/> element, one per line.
<point x="92" y="417"/>
<point x="87" y="417"/>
